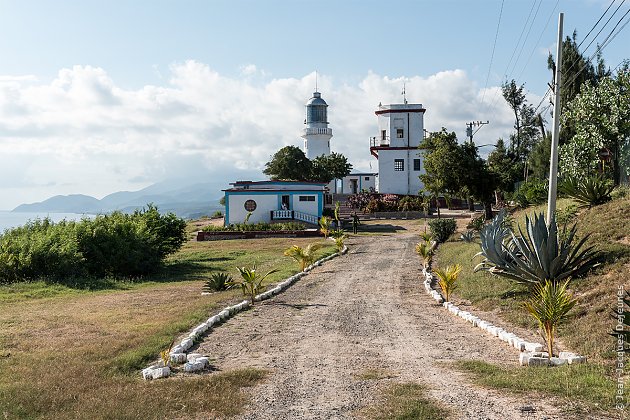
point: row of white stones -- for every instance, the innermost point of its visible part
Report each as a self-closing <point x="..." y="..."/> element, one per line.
<point x="532" y="354"/>
<point x="194" y="362"/>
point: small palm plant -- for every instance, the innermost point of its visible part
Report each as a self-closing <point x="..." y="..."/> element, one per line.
<point x="165" y="355"/>
<point x="538" y="255"/>
<point x="325" y="226"/>
<point x="304" y="256"/>
<point x="339" y="236"/>
<point x="426" y="235"/>
<point x="425" y="250"/>
<point x="217" y="282"/>
<point x="250" y="282"/>
<point x="550" y="304"/>
<point x="447" y="279"/>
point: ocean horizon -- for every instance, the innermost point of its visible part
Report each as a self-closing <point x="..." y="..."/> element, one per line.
<point x="9" y="219"/>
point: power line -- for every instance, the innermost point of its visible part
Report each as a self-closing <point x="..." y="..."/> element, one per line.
<point x="597" y="23"/>
<point x="539" y="38"/>
<point x="605" y="24"/>
<point x="531" y="25"/>
<point x="519" y="38"/>
<point x="600" y="48"/>
<point x="496" y="36"/>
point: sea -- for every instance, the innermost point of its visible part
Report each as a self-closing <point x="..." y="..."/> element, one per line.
<point x="10" y="219"/>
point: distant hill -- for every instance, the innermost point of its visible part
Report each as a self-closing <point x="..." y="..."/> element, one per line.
<point x="188" y="201"/>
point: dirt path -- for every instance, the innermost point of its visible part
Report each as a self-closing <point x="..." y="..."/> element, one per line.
<point x="362" y="311"/>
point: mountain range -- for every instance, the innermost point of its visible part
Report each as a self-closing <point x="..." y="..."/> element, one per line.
<point x="185" y="200"/>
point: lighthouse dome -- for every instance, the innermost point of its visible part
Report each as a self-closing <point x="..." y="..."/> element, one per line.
<point x="316" y="109"/>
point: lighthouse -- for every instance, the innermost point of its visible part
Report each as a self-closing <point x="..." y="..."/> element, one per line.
<point x="316" y="134"/>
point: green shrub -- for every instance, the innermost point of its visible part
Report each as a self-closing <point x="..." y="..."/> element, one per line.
<point x="477" y="223"/>
<point x="531" y="193"/>
<point x="255" y="227"/>
<point x="468" y="236"/>
<point x="125" y="245"/>
<point x="217" y="214"/>
<point x="409" y="203"/>
<point x="621" y="191"/>
<point x="587" y="192"/>
<point x="442" y="229"/>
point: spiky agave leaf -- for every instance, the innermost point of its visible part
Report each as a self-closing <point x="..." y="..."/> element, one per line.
<point x="536" y="255"/>
<point x="589" y="191"/>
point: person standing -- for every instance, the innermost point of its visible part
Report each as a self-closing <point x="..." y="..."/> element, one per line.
<point x="355" y="222"/>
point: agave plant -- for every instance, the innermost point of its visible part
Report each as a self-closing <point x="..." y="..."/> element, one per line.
<point x="538" y="255"/>
<point x="426" y="251"/>
<point x="468" y="236"/>
<point x="304" y="256"/>
<point x="587" y="192"/>
<point x="250" y="282"/>
<point x="325" y="226"/>
<point x="447" y="279"/>
<point x="550" y="304"/>
<point x="217" y="282"/>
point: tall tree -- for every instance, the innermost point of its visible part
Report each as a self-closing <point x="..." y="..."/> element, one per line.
<point x="576" y="70"/>
<point x="601" y="118"/>
<point x="289" y="163"/>
<point x="515" y="97"/>
<point x="504" y="168"/>
<point x="327" y="168"/>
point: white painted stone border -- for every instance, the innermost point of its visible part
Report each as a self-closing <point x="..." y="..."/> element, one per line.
<point x="532" y="354"/>
<point x="195" y="362"/>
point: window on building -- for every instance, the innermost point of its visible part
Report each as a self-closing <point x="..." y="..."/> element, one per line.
<point x="400" y="133"/>
<point x="399" y="164"/>
<point x="250" y="205"/>
<point x="307" y="198"/>
<point x="383" y="134"/>
<point x="416" y="164"/>
<point x="367" y="178"/>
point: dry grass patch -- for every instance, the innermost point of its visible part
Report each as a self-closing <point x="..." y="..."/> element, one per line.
<point x="405" y="402"/>
<point x="375" y="374"/>
<point x="77" y="353"/>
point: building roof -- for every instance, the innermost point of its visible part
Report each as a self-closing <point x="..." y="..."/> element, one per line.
<point x="316" y="100"/>
<point x="244" y="186"/>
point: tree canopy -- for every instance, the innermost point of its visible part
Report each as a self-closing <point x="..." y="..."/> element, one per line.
<point x="327" y="168"/>
<point x="290" y="163"/>
<point x="600" y="115"/>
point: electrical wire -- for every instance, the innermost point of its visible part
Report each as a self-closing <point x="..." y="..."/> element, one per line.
<point x="531" y="25"/>
<point x="539" y="38"/>
<point x="496" y="36"/>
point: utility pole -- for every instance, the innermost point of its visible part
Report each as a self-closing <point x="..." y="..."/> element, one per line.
<point x="553" y="161"/>
<point x="469" y="128"/>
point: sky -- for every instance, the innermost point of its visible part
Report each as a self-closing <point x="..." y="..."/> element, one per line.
<point x="103" y="96"/>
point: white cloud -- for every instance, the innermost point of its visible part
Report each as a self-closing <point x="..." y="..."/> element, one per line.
<point x="82" y="133"/>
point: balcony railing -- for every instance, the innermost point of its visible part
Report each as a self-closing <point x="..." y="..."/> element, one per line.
<point x="379" y="141"/>
<point x="294" y="215"/>
<point x="310" y="130"/>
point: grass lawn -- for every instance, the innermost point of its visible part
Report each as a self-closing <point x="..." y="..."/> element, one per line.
<point x="68" y="352"/>
<point x="589" y="324"/>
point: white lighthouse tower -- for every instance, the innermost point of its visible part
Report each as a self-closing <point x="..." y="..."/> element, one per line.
<point x="316" y="134"/>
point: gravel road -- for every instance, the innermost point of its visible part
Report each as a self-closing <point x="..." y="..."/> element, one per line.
<point x="362" y="311"/>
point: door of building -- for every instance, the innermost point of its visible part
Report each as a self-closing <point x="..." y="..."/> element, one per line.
<point x="286" y="202"/>
<point x="353" y="186"/>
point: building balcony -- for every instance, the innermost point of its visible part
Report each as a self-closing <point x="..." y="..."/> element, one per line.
<point x="313" y="131"/>
<point x="379" y="141"/>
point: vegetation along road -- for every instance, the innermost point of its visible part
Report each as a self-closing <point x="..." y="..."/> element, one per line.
<point x="357" y="332"/>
